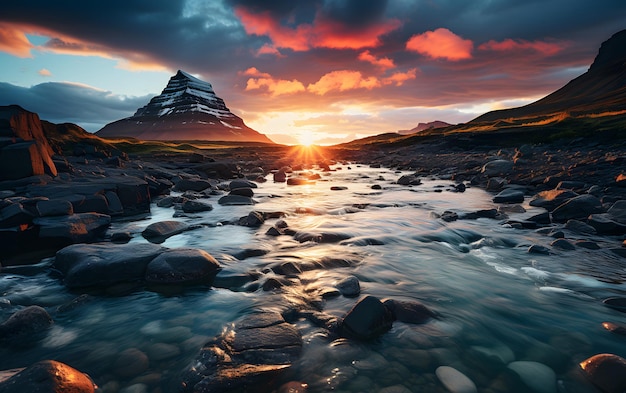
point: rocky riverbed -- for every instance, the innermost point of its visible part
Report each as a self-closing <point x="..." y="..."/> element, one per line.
<point x="397" y="269"/>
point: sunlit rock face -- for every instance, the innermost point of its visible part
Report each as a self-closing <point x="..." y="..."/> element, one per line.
<point x="187" y="109"/>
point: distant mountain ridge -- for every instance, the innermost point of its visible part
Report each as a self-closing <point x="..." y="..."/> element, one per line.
<point x="425" y="126"/>
<point x="187" y="109"/>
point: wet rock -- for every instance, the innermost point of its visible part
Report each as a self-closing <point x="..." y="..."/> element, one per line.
<point x="241" y="183"/>
<point x="497" y="168"/>
<point x="606" y="371"/>
<point x="538" y="249"/>
<point x="409" y="311"/>
<point x="496" y="183"/>
<point x="280" y="177"/>
<point x="54" y="207"/>
<point x="338" y="188"/>
<point x="246" y="357"/>
<point x="541" y="218"/>
<point x="246" y="192"/>
<point x="537" y="376"/>
<point x="563" y="244"/>
<point x="579" y="227"/>
<point x="449" y="216"/>
<point x="509" y="196"/>
<point x="588" y="244"/>
<point x="24" y="326"/>
<point x="579" y="207"/>
<point x="325" y="237"/>
<point x="454" y="380"/>
<point x="550" y="199"/>
<point x="158" y="232"/>
<point x="196" y="207"/>
<point x="130" y="363"/>
<point x="617" y="328"/>
<point x="14" y="215"/>
<point x="234" y="200"/>
<point x="254" y="219"/>
<point x="349" y="286"/>
<point x="182" y="266"/>
<point x="77" y="228"/>
<point x="192" y="185"/>
<point x="605" y="225"/>
<point x="299" y="181"/>
<point x="104" y="264"/>
<point x="48" y="376"/>
<point x="367" y="319"/>
<point x="409" y="180"/>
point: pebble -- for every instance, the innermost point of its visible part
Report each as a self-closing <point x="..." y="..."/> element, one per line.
<point x="454" y="380"/>
<point x="537" y="376"/>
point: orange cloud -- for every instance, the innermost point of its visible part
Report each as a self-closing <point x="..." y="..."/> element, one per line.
<point x="399" y="78"/>
<point x="441" y="43"/>
<point x="383" y="63"/>
<point x="268" y="49"/>
<point x="13" y="41"/>
<point x="253" y="71"/>
<point x="275" y="87"/>
<point x="343" y="80"/>
<point x="322" y="33"/>
<point x="44" y="72"/>
<point x="509" y="44"/>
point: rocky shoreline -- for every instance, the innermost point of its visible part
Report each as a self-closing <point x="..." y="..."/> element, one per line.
<point x="66" y="214"/>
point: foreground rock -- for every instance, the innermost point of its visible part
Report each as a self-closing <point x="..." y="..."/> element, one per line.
<point x="606" y="371"/>
<point x="182" y="266"/>
<point x="48" y="376"/>
<point x="25" y="326"/>
<point x="368" y="319"/>
<point x="158" y="232"/>
<point x="246" y="358"/>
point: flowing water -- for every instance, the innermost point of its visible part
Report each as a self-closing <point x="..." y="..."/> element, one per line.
<point x="497" y="303"/>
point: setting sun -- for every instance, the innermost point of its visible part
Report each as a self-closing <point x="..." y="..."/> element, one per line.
<point x="306" y="138"/>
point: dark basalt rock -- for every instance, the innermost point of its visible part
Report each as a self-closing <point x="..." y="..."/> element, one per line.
<point x="48" y="376"/>
<point x="606" y="371"/>
<point x="367" y="320"/>
<point x="246" y="357"/>
<point x="578" y="207"/>
<point x="160" y="231"/>
<point x="182" y="266"/>
<point x="25" y="326"/>
<point x="409" y="311"/>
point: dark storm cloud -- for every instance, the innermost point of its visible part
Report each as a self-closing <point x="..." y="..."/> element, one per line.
<point x="67" y="102"/>
<point x="355" y="13"/>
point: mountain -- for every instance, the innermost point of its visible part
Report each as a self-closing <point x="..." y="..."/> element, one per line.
<point x="425" y="126"/>
<point x="599" y="92"/>
<point x="187" y="109"/>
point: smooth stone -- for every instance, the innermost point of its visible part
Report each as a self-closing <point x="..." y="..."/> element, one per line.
<point x="162" y="351"/>
<point x="454" y="380"/>
<point x="23" y="325"/>
<point x="579" y="207"/>
<point x="497" y="168"/>
<point x="190" y="206"/>
<point x="192" y="185"/>
<point x="589" y="245"/>
<point x="617" y="328"/>
<point x="349" y="286"/>
<point x="48" y="376"/>
<point x="158" y="232"/>
<point x="536" y="376"/>
<point x="563" y="244"/>
<point x="55" y="207"/>
<point x="509" y="196"/>
<point x="368" y="319"/>
<point x="234" y="200"/>
<point x="182" y="266"/>
<point x="550" y="199"/>
<point x="409" y="311"/>
<point x="606" y="371"/>
<point x="616" y="303"/>
<point x="241" y="183"/>
<point x="537" y="249"/>
<point x="409" y="180"/>
<point x="579" y="227"/>
<point x="617" y="211"/>
<point x="244" y="191"/>
<point x="77" y="228"/>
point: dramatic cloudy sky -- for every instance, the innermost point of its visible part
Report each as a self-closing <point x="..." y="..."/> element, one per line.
<point x="339" y="69"/>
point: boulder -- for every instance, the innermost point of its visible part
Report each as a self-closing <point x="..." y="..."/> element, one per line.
<point x="246" y="357"/>
<point x="23" y="326"/>
<point x="104" y="264"/>
<point x="409" y="311"/>
<point x="158" y="232"/>
<point x="368" y="319"/>
<point x="606" y="371"/>
<point x="454" y="380"/>
<point x="579" y="207"/>
<point x="234" y="200"/>
<point x="244" y="191"/>
<point x="54" y="207"/>
<point x="77" y="228"/>
<point x="48" y="376"/>
<point x="182" y="266"/>
<point x="241" y="183"/>
<point x="497" y="168"/>
<point x="349" y="286"/>
<point x="192" y="185"/>
<point x="196" y="207"/>
<point x="509" y="196"/>
<point x="409" y="180"/>
<point x="550" y="199"/>
<point x="28" y="152"/>
<point x="254" y="219"/>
